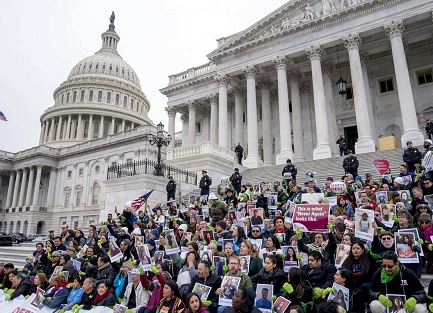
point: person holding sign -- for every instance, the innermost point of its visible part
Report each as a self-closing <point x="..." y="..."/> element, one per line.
<point x="351" y="164"/>
<point x="289" y="172"/>
<point x="298" y="289"/>
<point x="394" y="278"/>
<point x="412" y="156"/>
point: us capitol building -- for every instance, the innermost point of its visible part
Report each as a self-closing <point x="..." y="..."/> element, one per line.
<point x="271" y="87"/>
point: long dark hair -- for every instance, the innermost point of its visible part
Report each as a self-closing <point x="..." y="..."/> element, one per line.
<point x="276" y="242"/>
<point x="363" y="261"/>
<point x="347" y="274"/>
<point x="276" y="259"/>
<point x="188" y="299"/>
<point x="297" y="277"/>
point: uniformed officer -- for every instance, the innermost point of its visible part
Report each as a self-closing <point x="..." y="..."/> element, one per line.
<point x="171" y="188"/>
<point x="289" y="172"/>
<point x="205" y="183"/>
<point x="236" y="180"/>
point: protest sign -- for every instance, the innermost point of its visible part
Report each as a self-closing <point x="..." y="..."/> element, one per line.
<point x="338" y="187"/>
<point x="404" y="244"/>
<point x="311" y="217"/>
<point x="103" y="215"/>
<point x="115" y="252"/>
<point x="381" y="166"/>
<point x="364" y="219"/>
<point x="311" y="197"/>
<point x="427" y="162"/>
<point x="229" y="285"/>
<point x="398" y="302"/>
<point x="341" y="296"/>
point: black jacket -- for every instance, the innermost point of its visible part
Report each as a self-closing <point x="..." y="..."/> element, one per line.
<point x="87" y="299"/>
<point x="23" y="288"/>
<point x="108" y="274"/>
<point x="277" y="278"/>
<point x="236" y="180"/>
<point x="171" y="187"/>
<point x="205" y="182"/>
<point x="322" y="277"/>
<point x="212" y="280"/>
<point x="350" y="164"/>
<point x="412" y="156"/>
<point x="290" y="169"/>
<point x="110" y="300"/>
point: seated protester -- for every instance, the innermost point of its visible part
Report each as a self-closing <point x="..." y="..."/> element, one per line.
<point x="52" y="263"/>
<point x="187" y="272"/>
<point x="221" y="232"/>
<point x="136" y="297"/>
<point x="68" y="266"/>
<point x="104" y="296"/>
<point x="234" y="271"/>
<point x="155" y="286"/>
<point x="272" y="246"/>
<point x="325" y="247"/>
<point x="343" y="208"/>
<point x="89" y="293"/>
<point x="59" y="294"/>
<point x="243" y="301"/>
<point x="171" y="301"/>
<point x="343" y="277"/>
<point x="319" y="273"/>
<point x="421" y="208"/>
<point x="75" y="294"/>
<point x="92" y="267"/>
<point x="20" y="285"/>
<point x="417" y="198"/>
<point x="330" y="307"/>
<point x="340" y="229"/>
<point x="40" y="281"/>
<point x="281" y="231"/>
<point x="206" y="277"/>
<point x="298" y="289"/>
<point x="105" y="270"/>
<point x="272" y="273"/>
<point x="121" y="279"/>
<point x="194" y="305"/>
<point x="363" y="198"/>
<point x="9" y="267"/>
<point x="256" y="263"/>
<point x="395" y="278"/>
<point x="238" y="234"/>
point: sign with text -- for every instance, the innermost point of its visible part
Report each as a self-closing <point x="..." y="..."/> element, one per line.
<point x="338" y="187"/>
<point x="381" y="166"/>
<point x="311" y="217"/>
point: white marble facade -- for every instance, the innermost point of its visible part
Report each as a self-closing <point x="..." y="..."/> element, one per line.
<point x="272" y="87"/>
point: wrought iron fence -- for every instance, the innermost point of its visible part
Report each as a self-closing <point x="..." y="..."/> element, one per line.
<point x="147" y="167"/>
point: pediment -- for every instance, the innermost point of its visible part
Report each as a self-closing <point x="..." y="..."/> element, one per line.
<point x="292" y="17"/>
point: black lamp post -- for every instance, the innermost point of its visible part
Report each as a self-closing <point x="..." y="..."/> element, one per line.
<point x="341" y="83"/>
<point x="159" y="140"/>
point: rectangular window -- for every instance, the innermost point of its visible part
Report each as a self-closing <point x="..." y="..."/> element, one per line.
<point x="80" y="172"/>
<point x="128" y="161"/>
<point x="78" y="199"/>
<point x="244" y="117"/>
<point x="67" y="198"/>
<point x="386" y="85"/>
<point x="198" y="128"/>
<point x="69" y="174"/>
<point x="259" y="113"/>
<point x="349" y="93"/>
<point x="424" y="76"/>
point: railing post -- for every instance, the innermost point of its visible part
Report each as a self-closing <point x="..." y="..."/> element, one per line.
<point x="134" y="168"/>
<point x="145" y="167"/>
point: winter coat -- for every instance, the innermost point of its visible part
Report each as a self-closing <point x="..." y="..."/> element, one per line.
<point x="212" y="280"/>
<point x="23" y="288"/>
<point x="412" y="156"/>
<point x="109" y="300"/>
<point x="350" y="164"/>
<point x="256" y="264"/>
<point x="218" y="211"/>
<point x="108" y="274"/>
<point x="322" y="277"/>
<point x="141" y="296"/>
<point x="119" y="285"/>
<point x="58" y="299"/>
<point x="184" y="279"/>
<point x="277" y="278"/>
<point x="87" y="299"/>
<point x="75" y="295"/>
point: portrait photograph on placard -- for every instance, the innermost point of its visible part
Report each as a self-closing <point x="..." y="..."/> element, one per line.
<point x="256" y="189"/>
<point x="404" y="246"/>
<point x="414" y="231"/>
<point x="398" y="302"/>
<point x="382" y="196"/>
<point x="119" y="308"/>
<point x="364" y="219"/>
<point x="257" y="244"/>
<point x="37" y="303"/>
<point x="144" y="256"/>
<point x="272" y="200"/>
<point x="139" y="240"/>
<point x="199" y="218"/>
<point x="207" y="235"/>
<point x="281" y="305"/>
<point x="232" y="217"/>
<point x="341" y="254"/>
<point x="229" y="285"/>
<point x="404" y="196"/>
<point x="115" y="252"/>
<point x="244" y="264"/>
<point x="202" y="291"/>
<point x="158" y="256"/>
<point x="227" y="241"/>
<point x="387" y="212"/>
<point x="264" y="293"/>
<point x="219" y="263"/>
<point x="203" y="199"/>
<point x="170" y="243"/>
<point x="256" y="216"/>
<point x="240" y="217"/>
<point x="206" y="255"/>
<point x="187" y="236"/>
<point x="341" y="296"/>
<point x="192" y="199"/>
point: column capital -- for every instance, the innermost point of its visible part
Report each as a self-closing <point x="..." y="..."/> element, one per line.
<point x="304" y="87"/>
<point x="239" y="91"/>
<point x="265" y="84"/>
<point x="230" y="105"/>
<point x="251" y="71"/>
<point x="25" y="170"/>
<point x="212" y="98"/>
<point x="280" y="62"/>
<point x="395" y="28"/>
<point x="205" y="112"/>
<point x="327" y="67"/>
<point x="274" y="95"/>
<point x="314" y="52"/>
<point x="222" y="79"/>
<point x="171" y="111"/>
<point x="192" y="105"/>
<point x="184" y="118"/>
<point x="295" y="76"/>
<point x="352" y="41"/>
<point x="365" y="57"/>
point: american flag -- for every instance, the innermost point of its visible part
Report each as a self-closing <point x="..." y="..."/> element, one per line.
<point x="2" y="117"/>
<point x="137" y="203"/>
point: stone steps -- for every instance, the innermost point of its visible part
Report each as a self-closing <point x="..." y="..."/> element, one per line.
<point x="17" y="253"/>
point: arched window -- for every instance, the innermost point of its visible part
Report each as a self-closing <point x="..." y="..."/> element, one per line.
<point x="138" y="106"/>
<point x="97" y="65"/>
<point x="84" y="67"/>
<point x="86" y="129"/>
<point x="108" y="97"/>
<point x="91" y="95"/>
<point x="67" y="97"/>
<point x="103" y="66"/>
<point x="74" y="98"/>
<point x="117" y="68"/>
<point x="63" y="98"/>
<point x="110" y="68"/>
<point x="123" y="71"/>
<point x="82" y="96"/>
<point x="132" y="104"/>
<point x="90" y="66"/>
<point x="78" y="195"/>
<point x="125" y="100"/>
<point x="117" y="99"/>
<point x="100" y="96"/>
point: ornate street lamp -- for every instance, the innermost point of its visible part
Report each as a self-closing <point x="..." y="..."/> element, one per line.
<point x="159" y="140"/>
<point x="341" y="83"/>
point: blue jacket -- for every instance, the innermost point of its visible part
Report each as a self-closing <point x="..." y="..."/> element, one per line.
<point x="75" y="295"/>
<point x="119" y="285"/>
<point x="59" y="298"/>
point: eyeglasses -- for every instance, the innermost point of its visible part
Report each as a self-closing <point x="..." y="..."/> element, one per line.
<point x="424" y="222"/>
<point x="388" y="266"/>
<point x="255" y="231"/>
<point x="386" y="238"/>
<point x="377" y="214"/>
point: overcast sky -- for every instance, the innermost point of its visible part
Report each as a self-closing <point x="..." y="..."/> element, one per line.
<point x="42" y="40"/>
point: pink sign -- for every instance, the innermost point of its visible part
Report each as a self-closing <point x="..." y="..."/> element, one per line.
<point x="311" y="217"/>
<point x="381" y="166"/>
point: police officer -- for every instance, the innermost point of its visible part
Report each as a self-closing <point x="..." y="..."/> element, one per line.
<point x="239" y="153"/>
<point x="236" y="180"/>
<point x="292" y="169"/>
<point x="205" y="183"/>
<point x="341" y="142"/>
<point x="171" y="188"/>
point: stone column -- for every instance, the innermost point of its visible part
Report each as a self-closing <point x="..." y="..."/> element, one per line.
<point x="80" y="127"/>
<point x="30" y="187"/>
<point x="37" y="183"/>
<point x="23" y="187"/>
<point x="51" y="187"/>
<point x="123" y="125"/>
<point x="171" y="112"/>
<point x="53" y="124"/>
<point x="286" y="151"/>
<point x="184" y="118"/>
<point x="253" y="159"/>
<point x="329" y="87"/>
<point x="68" y="127"/>
<point x="16" y="189"/>
<point x="101" y="127"/>
<point x="113" y="123"/>
<point x="90" y="129"/>
<point x="59" y="128"/>
<point x="365" y="142"/>
<point x="205" y="113"/>
<point x="411" y="130"/>
<point x="46" y="131"/>
<point x="239" y="93"/>
<point x="222" y="82"/>
<point x="298" y="132"/>
<point x="323" y="149"/>
<point x="192" y="107"/>
<point x="41" y="136"/>
<point x="212" y="98"/>
<point x="265" y="86"/>
<point x="371" y="117"/>
<point x="10" y="190"/>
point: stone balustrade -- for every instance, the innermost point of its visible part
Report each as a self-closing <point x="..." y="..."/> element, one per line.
<point x="192" y="73"/>
<point x="200" y="149"/>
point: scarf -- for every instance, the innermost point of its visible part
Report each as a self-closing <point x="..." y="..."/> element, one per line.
<point x="100" y="298"/>
<point x="60" y="284"/>
<point x="385" y="278"/>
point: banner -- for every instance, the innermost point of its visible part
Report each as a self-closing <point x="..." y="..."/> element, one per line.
<point x="311" y="217"/>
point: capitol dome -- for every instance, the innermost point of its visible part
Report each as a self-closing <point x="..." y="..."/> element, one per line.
<point x="102" y="96"/>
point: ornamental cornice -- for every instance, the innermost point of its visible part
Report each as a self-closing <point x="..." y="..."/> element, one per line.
<point x="265" y="84"/>
<point x="395" y="28"/>
<point x="295" y="76"/>
<point x="328" y="67"/>
<point x="222" y="79"/>
<point x="352" y="41"/>
<point x="239" y="91"/>
<point x="365" y="57"/>
<point x="171" y="110"/>
<point x="280" y="62"/>
<point x="212" y="97"/>
<point x="192" y="105"/>
<point x="314" y="52"/>
<point x="250" y="71"/>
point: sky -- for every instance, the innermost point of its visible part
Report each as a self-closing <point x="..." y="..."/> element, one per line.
<point x="43" y="40"/>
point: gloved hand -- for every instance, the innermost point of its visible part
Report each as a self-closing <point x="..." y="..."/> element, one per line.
<point x="299" y="256"/>
<point x="206" y="303"/>
<point x="48" y="250"/>
<point x="26" y="297"/>
<point x="409" y="305"/>
<point x="74" y="307"/>
<point x="82" y="274"/>
<point x="154" y="269"/>
<point x="118" y="261"/>
<point x="274" y="297"/>
<point x="329" y="226"/>
<point x="42" y="298"/>
<point x="298" y="233"/>
<point x="129" y="311"/>
<point x="212" y="267"/>
<point x="99" y="243"/>
<point x="420" y="241"/>
<point x="225" y="268"/>
<point x="280" y="239"/>
<point x="416" y="249"/>
<point x="430" y="307"/>
<point x="1" y="285"/>
<point x="78" y="308"/>
<point x="109" y="253"/>
<point x="141" y="270"/>
<point x="62" y="311"/>
<point x="327" y="291"/>
<point x="69" y="285"/>
<point x="317" y="293"/>
<point x="10" y="291"/>
<point x="8" y="297"/>
<point x="394" y="217"/>
<point x="288" y="287"/>
<point x="385" y="301"/>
